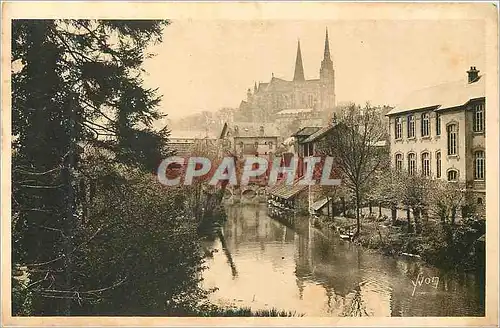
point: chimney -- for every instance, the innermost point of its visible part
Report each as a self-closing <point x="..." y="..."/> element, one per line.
<point x="472" y="74"/>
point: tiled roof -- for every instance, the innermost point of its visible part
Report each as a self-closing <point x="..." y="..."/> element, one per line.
<point x="446" y="95"/>
<point x="286" y="191"/>
<point x="318" y="134"/>
<point x="246" y="129"/>
<point x="306" y="131"/>
<point x="316" y="206"/>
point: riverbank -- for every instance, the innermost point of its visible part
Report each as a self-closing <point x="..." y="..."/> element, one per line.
<point x="217" y="311"/>
<point x="448" y="247"/>
<point x="263" y="263"/>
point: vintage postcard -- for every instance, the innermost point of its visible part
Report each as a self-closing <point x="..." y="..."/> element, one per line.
<point x="249" y="164"/>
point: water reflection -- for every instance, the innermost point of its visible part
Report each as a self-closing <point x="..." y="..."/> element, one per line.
<point x="261" y="263"/>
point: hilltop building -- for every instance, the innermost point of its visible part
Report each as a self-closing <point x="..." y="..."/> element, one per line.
<point x="304" y="101"/>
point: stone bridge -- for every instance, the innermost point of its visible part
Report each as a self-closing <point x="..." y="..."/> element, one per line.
<point x="249" y="192"/>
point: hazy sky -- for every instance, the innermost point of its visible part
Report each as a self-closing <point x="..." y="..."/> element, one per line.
<point x="207" y="64"/>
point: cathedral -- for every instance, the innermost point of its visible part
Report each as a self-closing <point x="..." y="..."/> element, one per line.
<point x="288" y="101"/>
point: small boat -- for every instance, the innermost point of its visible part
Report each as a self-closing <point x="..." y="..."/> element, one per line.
<point x="410" y="255"/>
<point x="346" y="235"/>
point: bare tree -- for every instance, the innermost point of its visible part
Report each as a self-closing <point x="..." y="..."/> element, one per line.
<point x="413" y="190"/>
<point x="446" y="199"/>
<point x="386" y="189"/>
<point x="355" y="143"/>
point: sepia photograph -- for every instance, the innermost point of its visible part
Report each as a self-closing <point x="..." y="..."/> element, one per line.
<point x="232" y="160"/>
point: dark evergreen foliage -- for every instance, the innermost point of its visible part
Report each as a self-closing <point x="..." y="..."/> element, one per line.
<point x="76" y="86"/>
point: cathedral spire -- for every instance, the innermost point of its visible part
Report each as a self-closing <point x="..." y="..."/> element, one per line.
<point x="327" y="46"/>
<point x="299" y="69"/>
<point x="326" y="63"/>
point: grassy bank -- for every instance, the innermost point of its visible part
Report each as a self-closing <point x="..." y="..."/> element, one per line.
<point x="441" y="245"/>
<point x="248" y="312"/>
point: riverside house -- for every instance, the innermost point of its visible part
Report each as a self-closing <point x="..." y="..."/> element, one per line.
<point x="439" y="132"/>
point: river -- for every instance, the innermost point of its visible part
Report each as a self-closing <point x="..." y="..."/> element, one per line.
<point x="261" y="263"/>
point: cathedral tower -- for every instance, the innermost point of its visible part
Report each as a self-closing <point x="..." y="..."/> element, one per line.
<point x="327" y="77"/>
<point x="299" y="69"/>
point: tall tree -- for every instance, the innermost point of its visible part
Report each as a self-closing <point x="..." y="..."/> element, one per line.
<point x="75" y="83"/>
<point x="413" y="190"/>
<point x="356" y="145"/>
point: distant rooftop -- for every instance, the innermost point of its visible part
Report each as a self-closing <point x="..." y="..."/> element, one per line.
<point x="190" y="134"/>
<point x="294" y="111"/>
<point x="247" y="129"/>
<point x="306" y="131"/>
<point x="443" y="96"/>
<point x="320" y="133"/>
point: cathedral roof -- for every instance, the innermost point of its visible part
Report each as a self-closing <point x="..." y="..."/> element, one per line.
<point x="278" y="84"/>
<point x="262" y="86"/>
<point x="278" y="80"/>
<point x="243" y="104"/>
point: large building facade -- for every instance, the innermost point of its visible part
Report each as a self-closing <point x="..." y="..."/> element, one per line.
<point x="300" y="98"/>
<point x="440" y="132"/>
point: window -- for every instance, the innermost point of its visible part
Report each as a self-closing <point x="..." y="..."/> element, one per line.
<point x="310" y="101"/>
<point x="426" y="165"/>
<point x="452" y="175"/>
<point x="270" y="145"/>
<point x="412" y="161"/>
<point x="479" y="201"/>
<point x="398" y="128"/>
<point x="399" y="162"/>
<point x="425" y="125"/>
<point x="452" y="139"/>
<point x="479" y="166"/>
<point x="438" y="165"/>
<point x="479" y="118"/>
<point x="411" y="126"/>
<point x="438" y="124"/>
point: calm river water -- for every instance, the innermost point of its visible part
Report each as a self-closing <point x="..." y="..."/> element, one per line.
<point x="261" y="263"/>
